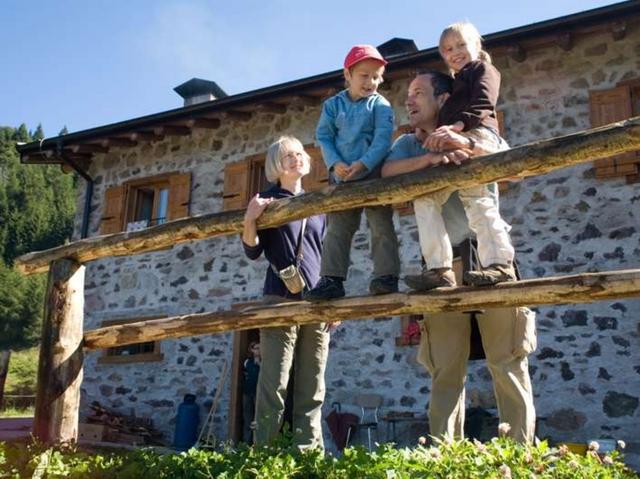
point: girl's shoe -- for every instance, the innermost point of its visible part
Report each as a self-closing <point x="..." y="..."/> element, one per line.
<point x="493" y="274"/>
<point x="431" y="279"/>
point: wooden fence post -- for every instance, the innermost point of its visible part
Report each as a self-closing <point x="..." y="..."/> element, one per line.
<point x="60" y="365"/>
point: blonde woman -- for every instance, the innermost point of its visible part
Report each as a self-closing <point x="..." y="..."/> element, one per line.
<point x="298" y="244"/>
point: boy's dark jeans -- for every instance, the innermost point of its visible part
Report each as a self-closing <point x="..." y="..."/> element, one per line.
<point x="342" y="225"/>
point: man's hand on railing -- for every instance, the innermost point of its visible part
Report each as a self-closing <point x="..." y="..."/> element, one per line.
<point x="445" y="138"/>
<point x="456" y="156"/>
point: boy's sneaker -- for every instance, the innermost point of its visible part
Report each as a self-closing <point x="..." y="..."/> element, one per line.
<point x="431" y="279"/>
<point x="495" y="273"/>
<point x="384" y="284"/>
<point x="329" y="287"/>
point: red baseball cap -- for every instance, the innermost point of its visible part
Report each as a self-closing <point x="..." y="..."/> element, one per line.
<point x="363" y="52"/>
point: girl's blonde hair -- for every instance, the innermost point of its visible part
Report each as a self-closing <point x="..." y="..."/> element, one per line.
<point x="276" y="152"/>
<point x="470" y="33"/>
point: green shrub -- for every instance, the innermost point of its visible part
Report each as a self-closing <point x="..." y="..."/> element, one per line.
<point x="23" y="371"/>
<point x="499" y="458"/>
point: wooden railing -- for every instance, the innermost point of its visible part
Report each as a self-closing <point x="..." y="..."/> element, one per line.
<point x="63" y="341"/>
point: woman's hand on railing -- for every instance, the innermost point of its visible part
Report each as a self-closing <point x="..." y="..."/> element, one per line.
<point x="256" y="207"/>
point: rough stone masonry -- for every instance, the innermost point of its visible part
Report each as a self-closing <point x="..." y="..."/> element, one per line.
<point x="586" y="371"/>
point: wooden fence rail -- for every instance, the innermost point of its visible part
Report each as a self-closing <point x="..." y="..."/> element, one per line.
<point x="579" y="288"/>
<point x="61" y="353"/>
<point x="527" y="160"/>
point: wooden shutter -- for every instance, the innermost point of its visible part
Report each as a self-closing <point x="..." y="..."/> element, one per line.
<point x="113" y="210"/>
<point x="179" y="195"/>
<point x="318" y="178"/>
<point x="608" y="106"/>
<point x="236" y="185"/>
<point x="257" y="175"/>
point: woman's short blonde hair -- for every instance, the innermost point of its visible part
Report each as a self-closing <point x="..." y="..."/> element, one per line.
<point x="277" y="151"/>
<point x="470" y="33"/>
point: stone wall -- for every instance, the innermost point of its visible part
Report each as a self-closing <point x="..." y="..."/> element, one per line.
<point x="586" y="372"/>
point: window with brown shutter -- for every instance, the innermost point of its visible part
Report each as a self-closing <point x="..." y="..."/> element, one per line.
<point x="236" y="185"/>
<point x="179" y="195"/>
<point x="146" y="202"/>
<point x="242" y="180"/>
<point x="608" y="106"/>
<point x="257" y="175"/>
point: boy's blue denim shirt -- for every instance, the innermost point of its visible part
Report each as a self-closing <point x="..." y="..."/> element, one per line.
<point x="349" y="130"/>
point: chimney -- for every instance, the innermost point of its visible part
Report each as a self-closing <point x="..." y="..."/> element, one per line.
<point x="198" y="90"/>
<point x="397" y="47"/>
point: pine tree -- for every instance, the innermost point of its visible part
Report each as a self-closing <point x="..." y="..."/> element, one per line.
<point x="22" y="134"/>
<point x="37" y="206"/>
<point x="38" y="134"/>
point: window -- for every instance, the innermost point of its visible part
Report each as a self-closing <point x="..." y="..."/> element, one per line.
<point x="245" y="178"/>
<point x="616" y="104"/>
<point x="132" y="353"/>
<point x="146" y="202"/>
<point x="242" y="180"/>
<point x="148" y="206"/>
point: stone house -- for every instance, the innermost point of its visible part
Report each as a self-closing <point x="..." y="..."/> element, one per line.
<point x="559" y="76"/>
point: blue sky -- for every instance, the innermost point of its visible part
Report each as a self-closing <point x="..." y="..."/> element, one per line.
<point x="89" y="63"/>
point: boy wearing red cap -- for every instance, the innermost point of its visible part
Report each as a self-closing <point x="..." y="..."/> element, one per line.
<point x="354" y="133"/>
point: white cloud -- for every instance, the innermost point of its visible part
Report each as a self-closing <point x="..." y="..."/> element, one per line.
<point x="190" y="40"/>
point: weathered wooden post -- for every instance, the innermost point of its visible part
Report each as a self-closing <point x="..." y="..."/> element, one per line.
<point x="60" y="365"/>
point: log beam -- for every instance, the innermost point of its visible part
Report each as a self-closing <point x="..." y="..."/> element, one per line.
<point x="272" y="107"/>
<point x="117" y="141"/>
<point x="565" y="41"/>
<point x="60" y="363"/>
<point x="527" y="160"/>
<point x="579" y="288"/>
<point x="172" y="130"/>
<point x="517" y="53"/>
<point x="618" y="30"/>
<point x="88" y="148"/>
<point x="305" y="100"/>
<point x="238" y="115"/>
<point x="208" y="123"/>
<point x="145" y="136"/>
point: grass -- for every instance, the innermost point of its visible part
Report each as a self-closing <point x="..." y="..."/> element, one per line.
<point x="23" y="370"/>
<point x="21" y="381"/>
<point x="17" y="412"/>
